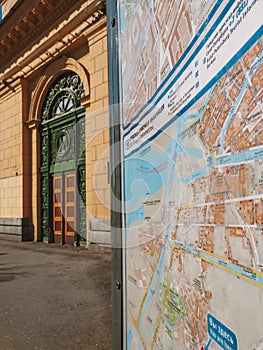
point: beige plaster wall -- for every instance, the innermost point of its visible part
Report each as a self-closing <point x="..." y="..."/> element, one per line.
<point x="11" y="154"/>
<point x="11" y="197"/>
<point x="92" y="56"/>
<point x="7" y="5"/>
<point x="19" y="144"/>
<point x="97" y="128"/>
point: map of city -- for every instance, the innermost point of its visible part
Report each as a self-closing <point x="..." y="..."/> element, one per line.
<point x="192" y="87"/>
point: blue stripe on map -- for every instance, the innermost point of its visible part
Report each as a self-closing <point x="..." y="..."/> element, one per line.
<point x="210" y="16"/>
<point x="230" y="63"/>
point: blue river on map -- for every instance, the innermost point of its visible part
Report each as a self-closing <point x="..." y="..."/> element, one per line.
<point x="144" y="177"/>
<point x="251" y="154"/>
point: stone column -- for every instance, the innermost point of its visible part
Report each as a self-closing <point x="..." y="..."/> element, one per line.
<point x="35" y="180"/>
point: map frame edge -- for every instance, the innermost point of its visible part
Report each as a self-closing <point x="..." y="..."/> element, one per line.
<point x="115" y="168"/>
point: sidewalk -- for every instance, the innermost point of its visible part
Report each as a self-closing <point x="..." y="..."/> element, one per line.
<point x="54" y="297"/>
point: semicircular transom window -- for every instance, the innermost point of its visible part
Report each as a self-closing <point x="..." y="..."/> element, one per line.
<point x="63" y="96"/>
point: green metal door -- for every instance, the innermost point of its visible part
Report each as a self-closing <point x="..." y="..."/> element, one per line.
<point x="62" y="151"/>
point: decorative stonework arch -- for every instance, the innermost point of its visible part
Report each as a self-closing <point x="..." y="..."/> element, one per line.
<point x="64" y="95"/>
<point x="54" y="70"/>
<point x="57" y="115"/>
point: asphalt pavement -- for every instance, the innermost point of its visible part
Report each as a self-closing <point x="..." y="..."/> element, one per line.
<point x="54" y="297"/>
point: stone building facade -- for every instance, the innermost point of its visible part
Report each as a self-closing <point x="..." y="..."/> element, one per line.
<point x="54" y="137"/>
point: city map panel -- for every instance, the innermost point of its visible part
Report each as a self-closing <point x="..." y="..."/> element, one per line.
<point x="192" y="134"/>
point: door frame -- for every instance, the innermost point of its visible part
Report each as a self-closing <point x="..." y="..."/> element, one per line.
<point x="72" y="124"/>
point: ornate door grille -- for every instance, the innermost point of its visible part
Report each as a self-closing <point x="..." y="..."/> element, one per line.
<point x="62" y="150"/>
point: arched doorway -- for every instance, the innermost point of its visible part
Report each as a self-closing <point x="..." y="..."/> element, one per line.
<point x="62" y="162"/>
